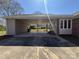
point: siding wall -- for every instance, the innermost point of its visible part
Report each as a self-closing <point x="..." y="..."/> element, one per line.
<point x="75" y="27"/>
<point x="55" y="25"/>
<point x="21" y="26"/>
<point x="10" y="26"/>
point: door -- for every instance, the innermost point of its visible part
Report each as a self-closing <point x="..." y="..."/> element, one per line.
<point x="65" y="26"/>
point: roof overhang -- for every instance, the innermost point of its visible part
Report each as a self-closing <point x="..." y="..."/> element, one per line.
<point x="42" y="16"/>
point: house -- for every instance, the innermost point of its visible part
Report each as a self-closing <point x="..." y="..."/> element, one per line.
<point x="61" y="24"/>
<point x="75" y="25"/>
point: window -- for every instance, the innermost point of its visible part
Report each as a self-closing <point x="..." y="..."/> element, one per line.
<point x="65" y="23"/>
<point x="61" y="23"/>
<point x="69" y="23"/>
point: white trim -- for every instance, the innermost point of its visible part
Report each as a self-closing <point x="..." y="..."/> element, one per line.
<point x="63" y="23"/>
<point x="65" y="30"/>
<point x="67" y="24"/>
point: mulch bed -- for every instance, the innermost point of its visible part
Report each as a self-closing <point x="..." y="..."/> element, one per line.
<point x="71" y="38"/>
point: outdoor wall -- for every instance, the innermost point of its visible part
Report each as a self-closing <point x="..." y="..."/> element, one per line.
<point x="10" y="26"/>
<point x="21" y="26"/>
<point x="75" y="27"/>
<point x="55" y="24"/>
<point x="57" y="28"/>
<point x="38" y="21"/>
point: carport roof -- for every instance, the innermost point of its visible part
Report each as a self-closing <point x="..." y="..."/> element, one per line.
<point x="37" y="16"/>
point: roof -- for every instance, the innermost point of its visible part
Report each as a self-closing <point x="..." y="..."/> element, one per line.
<point x="76" y="13"/>
<point x="37" y="16"/>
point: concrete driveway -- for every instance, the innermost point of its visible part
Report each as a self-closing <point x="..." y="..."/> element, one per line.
<point x="25" y="52"/>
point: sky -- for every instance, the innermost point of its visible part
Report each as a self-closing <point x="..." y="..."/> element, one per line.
<point x="53" y="6"/>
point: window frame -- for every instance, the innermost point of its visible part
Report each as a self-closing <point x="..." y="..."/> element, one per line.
<point x="64" y="23"/>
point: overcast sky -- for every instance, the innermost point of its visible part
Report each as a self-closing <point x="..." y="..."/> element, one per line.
<point x="54" y="6"/>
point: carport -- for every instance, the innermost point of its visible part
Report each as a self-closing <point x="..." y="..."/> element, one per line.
<point x="19" y="24"/>
<point x="24" y="25"/>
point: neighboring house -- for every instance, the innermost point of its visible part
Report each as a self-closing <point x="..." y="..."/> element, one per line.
<point x="62" y="24"/>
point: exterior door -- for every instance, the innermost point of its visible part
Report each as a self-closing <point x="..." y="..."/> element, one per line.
<point x="65" y="26"/>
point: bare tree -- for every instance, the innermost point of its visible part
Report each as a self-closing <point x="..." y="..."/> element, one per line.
<point x="10" y="7"/>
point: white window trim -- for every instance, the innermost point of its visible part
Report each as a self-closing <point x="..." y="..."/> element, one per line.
<point x="67" y="23"/>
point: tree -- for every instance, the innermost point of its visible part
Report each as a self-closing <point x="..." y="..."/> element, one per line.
<point x="10" y="7"/>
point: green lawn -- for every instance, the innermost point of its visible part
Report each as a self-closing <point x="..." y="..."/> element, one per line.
<point x="2" y="33"/>
<point x="39" y="30"/>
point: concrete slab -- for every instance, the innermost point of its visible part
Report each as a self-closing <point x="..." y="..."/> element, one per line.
<point x="21" y="52"/>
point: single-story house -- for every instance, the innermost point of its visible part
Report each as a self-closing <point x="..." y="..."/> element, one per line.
<point x="62" y="24"/>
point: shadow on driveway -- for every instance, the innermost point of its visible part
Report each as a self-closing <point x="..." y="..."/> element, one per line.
<point x="36" y="41"/>
<point x="71" y="38"/>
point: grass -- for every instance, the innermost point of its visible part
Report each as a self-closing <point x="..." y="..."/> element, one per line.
<point x="2" y="33"/>
<point x="39" y="30"/>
